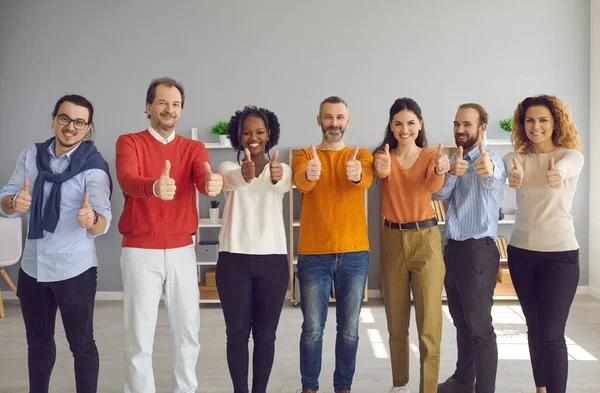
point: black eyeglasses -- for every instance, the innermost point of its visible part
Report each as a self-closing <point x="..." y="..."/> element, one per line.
<point x="65" y="120"/>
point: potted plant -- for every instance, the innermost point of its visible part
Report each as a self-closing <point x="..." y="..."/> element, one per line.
<point x="506" y="124"/>
<point x="220" y="129"/>
<point x="213" y="212"/>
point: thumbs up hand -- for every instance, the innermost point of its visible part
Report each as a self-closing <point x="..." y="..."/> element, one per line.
<point x="383" y="162"/>
<point x="86" y="215"/>
<point x="313" y="166"/>
<point x="484" y="166"/>
<point x="213" y="181"/>
<point x="553" y="175"/>
<point x="442" y="162"/>
<point x="460" y="166"/>
<point x="354" y="167"/>
<point x="515" y="177"/>
<point x="276" y="168"/>
<point x="248" y="169"/>
<point x="22" y="200"/>
<point x="164" y="187"/>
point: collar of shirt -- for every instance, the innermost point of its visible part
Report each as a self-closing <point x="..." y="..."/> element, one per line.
<point x="52" y="151"/>
<point x="473" y="154"/>
<point x="159" y="138"/>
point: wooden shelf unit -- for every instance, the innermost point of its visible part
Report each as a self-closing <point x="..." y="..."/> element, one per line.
<point x="205" y="222"/>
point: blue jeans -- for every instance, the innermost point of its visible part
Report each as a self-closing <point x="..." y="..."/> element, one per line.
<point x="316" y="273"/>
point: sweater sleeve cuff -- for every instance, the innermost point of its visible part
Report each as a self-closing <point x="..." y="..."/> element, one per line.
<point x="149" y="187"/>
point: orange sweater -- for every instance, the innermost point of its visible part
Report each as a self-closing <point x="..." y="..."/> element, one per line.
<point x="406" y="193"/>
<point x="333" y="216"/>
<point x="148" y="221"/>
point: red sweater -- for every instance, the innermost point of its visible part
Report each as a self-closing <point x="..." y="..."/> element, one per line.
<point x="148" y="221"/>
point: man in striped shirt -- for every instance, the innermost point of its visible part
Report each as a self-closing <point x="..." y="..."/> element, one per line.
<point x="473" y="191"/>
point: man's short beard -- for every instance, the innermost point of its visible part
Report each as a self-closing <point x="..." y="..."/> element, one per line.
<point x="332" y="138"/>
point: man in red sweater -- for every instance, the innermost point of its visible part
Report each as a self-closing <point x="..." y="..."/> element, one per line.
<point x="159" y="172"/>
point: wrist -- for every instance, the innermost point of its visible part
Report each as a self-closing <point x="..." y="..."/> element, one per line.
<point x="154" y="189"/>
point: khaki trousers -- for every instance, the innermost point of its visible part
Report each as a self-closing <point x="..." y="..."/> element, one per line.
<point x="412" y="260"/>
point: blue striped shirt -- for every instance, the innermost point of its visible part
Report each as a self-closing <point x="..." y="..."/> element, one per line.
<point x="70" y="250"/>
<point x="473" y="201"/>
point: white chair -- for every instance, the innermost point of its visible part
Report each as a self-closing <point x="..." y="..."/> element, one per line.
<point x="10" y="249"/>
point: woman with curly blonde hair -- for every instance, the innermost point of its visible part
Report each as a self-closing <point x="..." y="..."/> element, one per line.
<point x="543" y="253"/>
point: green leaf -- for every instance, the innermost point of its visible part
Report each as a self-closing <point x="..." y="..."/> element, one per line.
<point x="220" y="128"/>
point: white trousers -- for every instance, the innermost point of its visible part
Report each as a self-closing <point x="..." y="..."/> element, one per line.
<point x="145" y="273"/>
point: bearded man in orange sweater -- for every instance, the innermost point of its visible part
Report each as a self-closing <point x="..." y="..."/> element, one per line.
<point x="333" y="245"/>
<point x="159" y="172"/>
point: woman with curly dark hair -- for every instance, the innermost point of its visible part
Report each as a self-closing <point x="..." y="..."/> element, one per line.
<point x="252" y="269"/>
<point x="543" y="253"/>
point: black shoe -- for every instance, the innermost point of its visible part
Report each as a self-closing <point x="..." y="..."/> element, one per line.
<point x="453" y="386"/>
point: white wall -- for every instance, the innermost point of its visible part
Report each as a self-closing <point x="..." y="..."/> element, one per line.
<point x="288" y="56"/>
<point x="594" y="159"/>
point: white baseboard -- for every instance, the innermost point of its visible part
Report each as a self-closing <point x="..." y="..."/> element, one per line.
<point x="373" y="294"/>
<point x="594" y="292"/>
<point x="109" y="295"/>
<point x="582" y="290"/>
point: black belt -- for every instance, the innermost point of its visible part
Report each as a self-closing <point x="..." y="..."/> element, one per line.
<point x="472" y="242"/>
<point x="430" y="222"/>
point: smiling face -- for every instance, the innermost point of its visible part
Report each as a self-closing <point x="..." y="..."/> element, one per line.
<point x="70" y="126"/>
<point x="165" y="110"/>
<point x="405" y="126"/>
<point x="467" y="130"/>
<point x="539" y="124"/>
<point x="254" y="135"/>
<point x="333" y="120"/>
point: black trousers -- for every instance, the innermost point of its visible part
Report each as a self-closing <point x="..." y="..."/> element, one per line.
<point x="471" y="267"/>
<point x="39" y="302"/>
<point x="252" y="290"/>
<point x="546" y="283"/>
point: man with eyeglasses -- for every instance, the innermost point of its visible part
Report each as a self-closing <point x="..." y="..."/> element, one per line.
<point x="64" y="187"/>
<point x="159" y="172"/>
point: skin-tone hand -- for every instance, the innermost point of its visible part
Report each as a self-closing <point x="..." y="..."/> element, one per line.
<point x="22" y="200"/>
<point x="165" y="187"/>
<point x="553" y="175"/>
<point x="515" y="177"/>
<point x="248" y="168"/>
<point x="85" y="215"/>
<point x="276" y="168"/>
<point x="213" y="181"/>
<point x="313" y="166"/>
<point x="442" y="162"/>
<point x="354" y="167"/>
<point x="383" y="162"/>
<point x="484" y="166"/>
<point x="459" y="167"/>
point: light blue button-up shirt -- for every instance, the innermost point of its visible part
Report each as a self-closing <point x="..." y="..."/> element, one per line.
<point x="70" y="250"/>
<point x="473" y="201"/>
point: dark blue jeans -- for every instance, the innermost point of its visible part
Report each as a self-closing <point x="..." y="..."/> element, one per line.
<point x="347" y="272"/>
<point x="39" y="302"/>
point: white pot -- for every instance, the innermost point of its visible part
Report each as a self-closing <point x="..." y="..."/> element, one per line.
<point x="213" y="214"/>
<point x="224" y="140"/>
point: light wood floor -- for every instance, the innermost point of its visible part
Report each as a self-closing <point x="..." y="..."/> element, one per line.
<point x="373" y="369"/>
